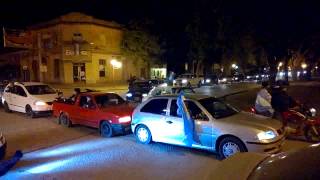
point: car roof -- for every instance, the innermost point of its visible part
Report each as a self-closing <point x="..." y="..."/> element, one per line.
<point x="188" y="96"/>
<point x="96" y="93"/>
<point x="29" y="83"/>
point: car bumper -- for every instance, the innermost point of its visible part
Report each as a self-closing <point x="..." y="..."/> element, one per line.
<point x="269" y="148"/>
<point x="43" y="113"/>
<point x="121" y="128"/>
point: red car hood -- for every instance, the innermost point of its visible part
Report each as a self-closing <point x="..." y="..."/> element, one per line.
<point x="119" y="110"/>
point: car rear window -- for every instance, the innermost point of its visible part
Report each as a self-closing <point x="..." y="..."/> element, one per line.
<point x="156" y="106"/>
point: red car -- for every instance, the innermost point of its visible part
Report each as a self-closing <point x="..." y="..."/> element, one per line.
<point x="106" y="111"/>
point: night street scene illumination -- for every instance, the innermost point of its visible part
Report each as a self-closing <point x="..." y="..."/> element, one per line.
<point x="159" y="89"/>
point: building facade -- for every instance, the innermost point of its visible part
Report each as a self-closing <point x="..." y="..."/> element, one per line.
<point x="76" y="48"/>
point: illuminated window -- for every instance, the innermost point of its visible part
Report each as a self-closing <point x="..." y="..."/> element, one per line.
<point x="102" y="68"/>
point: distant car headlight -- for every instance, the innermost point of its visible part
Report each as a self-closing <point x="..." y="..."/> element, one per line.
<point x="144" y="95"/>
<point x="208" y="80"/>
<point x="248" y="77"/>
<point x="174" y="81"/>
<point x="129" y="94"/>
<point x="125" y="119"/>
<point x="184" y="81"/>
<point x="266" y="135"/>
<point x="40" y="103"/>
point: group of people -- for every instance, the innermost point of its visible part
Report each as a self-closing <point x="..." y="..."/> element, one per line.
<point x="274" y="104"/>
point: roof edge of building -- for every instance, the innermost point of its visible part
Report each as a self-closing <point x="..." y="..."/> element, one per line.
<point x="76" y="18"/>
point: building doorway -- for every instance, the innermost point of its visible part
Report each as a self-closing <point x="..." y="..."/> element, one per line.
<point x="79" y="72"/>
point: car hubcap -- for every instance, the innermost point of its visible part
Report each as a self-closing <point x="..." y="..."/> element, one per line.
<point x="230" y="149"/>
<point x="143" y="134"/>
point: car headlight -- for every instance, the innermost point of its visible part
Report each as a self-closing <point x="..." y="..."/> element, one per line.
<point x="125" y="119"/>
<point x="266" y="135"/>
<point x="129" y="94"/>
<point x="144" y="95"/>
<point x="40" y="103"/>
<point x="174" y="81"/>
<point x="208" y="80"/>
<point x="184" y="81"/>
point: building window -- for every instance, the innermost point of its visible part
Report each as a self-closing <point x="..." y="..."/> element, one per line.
<point x="57" y="68"/>
<point x="102" y="67"/>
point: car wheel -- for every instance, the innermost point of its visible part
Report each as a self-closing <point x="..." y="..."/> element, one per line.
<point x="30" y="112"/>
<point x="6" y="107"/>
<point x="229" y="146"/>
<point x="65" y="120"/>
<point x="106" y="129"/>
<point x="143" y="134"/>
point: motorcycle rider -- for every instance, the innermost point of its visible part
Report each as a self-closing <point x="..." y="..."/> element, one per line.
<point x="282" y="102"/>
<point x="263" y="101"/>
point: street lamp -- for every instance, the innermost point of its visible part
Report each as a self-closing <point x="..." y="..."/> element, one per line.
<point x="115" y="65"/>
<point x="234" y="66"/>
<point x="304" y="65"/>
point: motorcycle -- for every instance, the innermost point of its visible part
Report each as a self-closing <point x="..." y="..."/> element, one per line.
<point x="303" y="121"/>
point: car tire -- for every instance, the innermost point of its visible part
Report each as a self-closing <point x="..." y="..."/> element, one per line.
<point x="229" y="146"/>
<point x="6" y="107"/>
<point x="30" y="112"/>
<point x="143" y="134"/>
<point x="106" y="129"/>
<point x="65" y="120"/>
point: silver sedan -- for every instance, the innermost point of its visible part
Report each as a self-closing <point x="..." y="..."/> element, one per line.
<point x="218" y="127"/>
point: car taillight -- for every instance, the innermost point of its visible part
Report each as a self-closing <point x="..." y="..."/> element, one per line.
<point x="125" y="119"/>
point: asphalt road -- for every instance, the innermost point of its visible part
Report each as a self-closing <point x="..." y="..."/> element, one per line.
<point x="55" y="152"/>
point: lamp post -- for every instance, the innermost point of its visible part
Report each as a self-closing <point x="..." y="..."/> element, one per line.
<point x="115" y="65"/>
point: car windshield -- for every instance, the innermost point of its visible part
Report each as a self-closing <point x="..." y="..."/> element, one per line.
<point x="108" y="99"/>
<point x="217" y="108"/>
<point x="40" y="89"/>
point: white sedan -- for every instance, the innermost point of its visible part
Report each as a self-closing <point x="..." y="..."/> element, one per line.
<point x="32" y="98"/>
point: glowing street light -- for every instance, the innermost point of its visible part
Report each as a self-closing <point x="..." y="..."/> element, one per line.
<point x="234" y="66"/>
<point x="115" y="65"/>
<point x="304" y="65"/>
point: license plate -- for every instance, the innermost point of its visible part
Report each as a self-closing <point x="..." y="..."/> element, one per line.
<point x="136" y="98"/>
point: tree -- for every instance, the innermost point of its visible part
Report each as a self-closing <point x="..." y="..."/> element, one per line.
<point x="139" y="44"/>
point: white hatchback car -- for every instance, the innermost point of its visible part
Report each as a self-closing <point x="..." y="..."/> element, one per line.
<point x="218" y="127"/>
<point x="33" y="98"/>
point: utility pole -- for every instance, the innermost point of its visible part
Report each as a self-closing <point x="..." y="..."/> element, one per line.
<point x="40" y="57"/>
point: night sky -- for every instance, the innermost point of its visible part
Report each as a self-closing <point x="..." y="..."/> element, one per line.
<point x="297" y="18"/>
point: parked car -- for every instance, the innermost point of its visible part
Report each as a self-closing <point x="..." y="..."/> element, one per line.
<point x="164" y="89"/>
<point x="33" y="98"/>
<point x="295" y="164"/>
<point x="238" y="78"/>
<point x="210" y="80"/>
<point x="218" y="126"/>
<point x="106" y="111"/>
<point x="3" y="146"/>
<point x="156" y="82"/>
<point x="188" y="80"/>
<point x="137" y="90"/>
